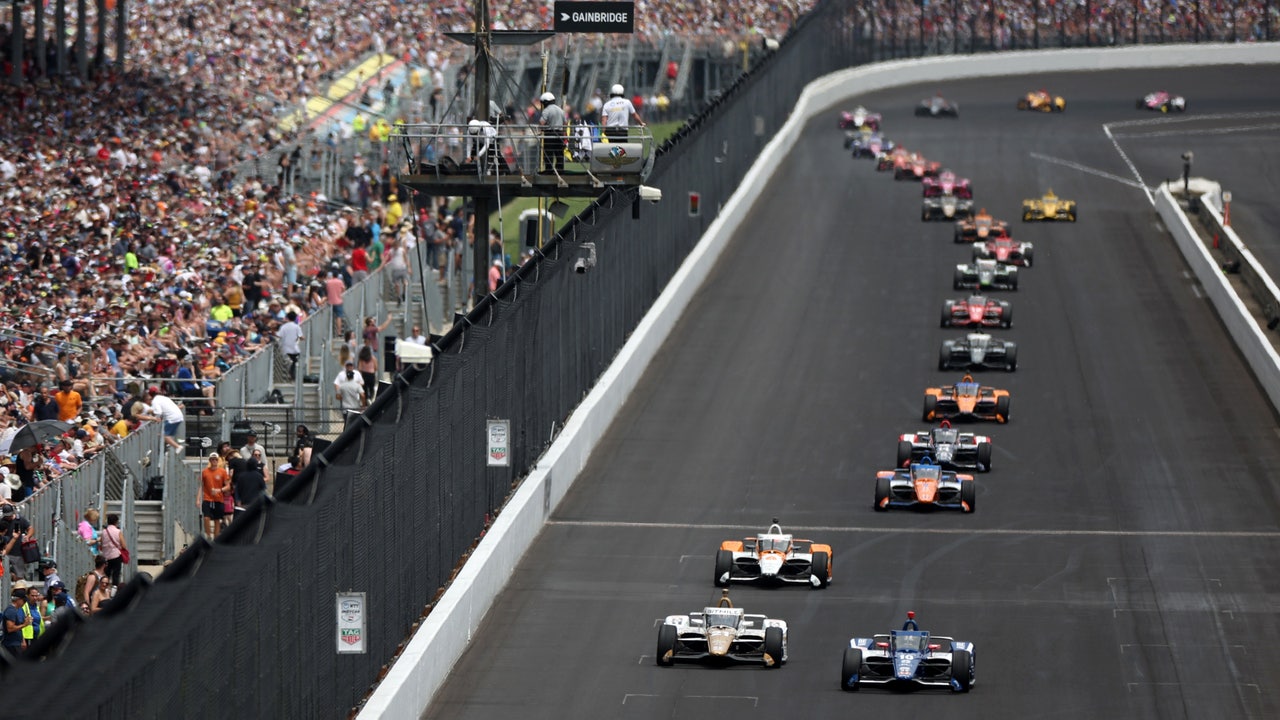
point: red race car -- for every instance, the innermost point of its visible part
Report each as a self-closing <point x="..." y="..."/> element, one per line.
<point x="1004" y="250"/>
<point x="915" y="167"/>
<point x="977" y="311"/>
<point x="889" y="160"/>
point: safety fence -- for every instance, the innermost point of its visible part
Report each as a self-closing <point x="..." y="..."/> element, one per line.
<point x="394" y="505"/>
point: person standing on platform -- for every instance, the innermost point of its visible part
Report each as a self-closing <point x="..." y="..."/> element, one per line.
<point x="552" y="122"/>
<point x="618" y="113"/>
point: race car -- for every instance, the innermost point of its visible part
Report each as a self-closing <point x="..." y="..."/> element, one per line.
<point x="722" y="634"/>
<point x="925" y="485"/>
<point x="888" y="159"/>
<point x="978" y="350"/>
<point x="965" y="400"/>
<point x="980" y="227"/>
<point x="1162" y="101"/>
<point x="908" y="659"/>
<point x="985" y="275"/>
<point x="871" y="146"/>
<point x="915" y="167"/>
<point x="859" y="117"/>
<point x="946" y="183"/>
<point x="854" y="136"/>
<point x="948" y="447"/>
<point x="977" y="311"/>
<point x="1049" y="207"/>
<point x="1041" y="100"/>
<point x="1004" y="250"/>
<point x="773" y="557"/>
<point x="937" y="106"/>
<point x="944" y="207"/>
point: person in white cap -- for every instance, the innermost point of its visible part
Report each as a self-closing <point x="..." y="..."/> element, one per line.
<point x="552" y="122"/>
<point x="618" y="112"/>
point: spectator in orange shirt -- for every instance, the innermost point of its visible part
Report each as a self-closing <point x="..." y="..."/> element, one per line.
<point x="214" y="483"/>
<point x="69" y="402"/>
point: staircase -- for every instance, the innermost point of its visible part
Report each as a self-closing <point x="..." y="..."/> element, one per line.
<point x="148" y="518"/>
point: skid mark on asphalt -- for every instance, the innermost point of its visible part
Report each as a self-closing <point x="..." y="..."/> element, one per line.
<point x="1027" y="532"/>
<point x="1086" y="169"/>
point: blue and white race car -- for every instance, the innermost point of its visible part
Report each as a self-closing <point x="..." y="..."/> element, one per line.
<point x="871" y="145"/>
<point x="907" y="660"/>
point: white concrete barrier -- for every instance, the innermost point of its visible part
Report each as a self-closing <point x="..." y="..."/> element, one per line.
<point x="1249" y="336"/>
<point x="437" y="644"/>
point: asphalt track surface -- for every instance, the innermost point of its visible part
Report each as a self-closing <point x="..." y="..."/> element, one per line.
<point x="1121" y="562"/>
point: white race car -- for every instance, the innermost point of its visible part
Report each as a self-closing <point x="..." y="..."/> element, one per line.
<point x="773" y="557"/>
<point x="722" y="634"/>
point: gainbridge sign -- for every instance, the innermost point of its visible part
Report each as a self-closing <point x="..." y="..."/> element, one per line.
<point x="595" y="17"/>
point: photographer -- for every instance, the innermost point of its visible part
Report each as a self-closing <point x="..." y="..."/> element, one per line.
<point x="14" y="530"/>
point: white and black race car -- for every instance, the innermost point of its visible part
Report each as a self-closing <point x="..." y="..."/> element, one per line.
<point x="945" y="207"/>
<point x="909" y="659"/>
<point x="723" y="634"/>
<point x="949" y="448"/>
<point x="985" y="275"/>
<point x="775" y="558"/>
<point x="978" y="350"/>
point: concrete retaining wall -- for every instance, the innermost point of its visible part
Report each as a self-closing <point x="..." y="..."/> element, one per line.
<point x="441" y="639"/>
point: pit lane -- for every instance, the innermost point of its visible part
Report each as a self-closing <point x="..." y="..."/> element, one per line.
<point x="1122" y="554"/>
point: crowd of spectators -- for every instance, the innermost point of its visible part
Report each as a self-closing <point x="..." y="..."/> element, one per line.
<point x="133" y="249"/>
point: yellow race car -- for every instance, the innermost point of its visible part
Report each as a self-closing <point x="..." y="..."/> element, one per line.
<point x="1041" y="100"/>
<point x="1049" y="207"/>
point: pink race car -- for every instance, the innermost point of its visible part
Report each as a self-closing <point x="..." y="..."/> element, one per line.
<point x="1163" y="102"/>
<point x="946" y="183"/>
<point x="860" y="117"/>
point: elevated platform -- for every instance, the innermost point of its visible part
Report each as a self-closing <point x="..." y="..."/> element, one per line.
<point x="507" y="160"/>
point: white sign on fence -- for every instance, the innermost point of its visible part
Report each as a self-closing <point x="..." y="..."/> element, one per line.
<point x="498" y="443"/>
<point x="352" y="625"/>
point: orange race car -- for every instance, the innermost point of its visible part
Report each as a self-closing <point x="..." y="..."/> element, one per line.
<point x="1043" y="101"/>
<point x="966" y="399"/>
<point x="773" y="557"/>
<point x="887" y="160"/>
<point x="980" y="227"/>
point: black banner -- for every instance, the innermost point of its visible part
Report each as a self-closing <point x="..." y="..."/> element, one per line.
<point x="595" y="17"/>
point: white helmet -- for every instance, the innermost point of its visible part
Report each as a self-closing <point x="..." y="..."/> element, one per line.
<point x="548" y="97"/>
<point x="617" y="90"/>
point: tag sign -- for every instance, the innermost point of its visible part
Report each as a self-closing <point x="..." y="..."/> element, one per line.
<point x="352" y="630"/>
<point x="595" y="17"/>
<point x="498" y="443"/>
<point x="695" y="204"/>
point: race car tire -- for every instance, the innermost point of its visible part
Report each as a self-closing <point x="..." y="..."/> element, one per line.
<point x="1027" y="255"/>
<point x="905" y="448"/>
<point x="921" y="110"/>
<point x="962" y="670"/>
<point x="958" y="282"/>
<point x="724" y="566"/>
<point x="947" y="307"/>
<point x="773" y="646"/>
<point x="1013" y="280"/>
<point x="882" y="493"/>
<point x="820" y="567"/>
<point x="924" y="216"/>
<point x="1022" y="104"/>
<point x="1002" y="407"/>
<point x="1006" y="315"/>
<point x="667" y="636"/>
<point x="969" y="494"/>
<point x="930" y="407"/>
<point x="1141" y="104"/>
<point x="1164" y="108"/>
<point x="1071" y="216"/>
<point x="851" y="666"/>
<point x="1027" y="216"/>
<point x="944" y="356"/>
<point x="984" y="457"/>
<point x="1011" y="357"/>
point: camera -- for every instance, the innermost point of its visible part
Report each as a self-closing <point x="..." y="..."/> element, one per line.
<point x="587" y="261"/>
<point x="652" y="194"/>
